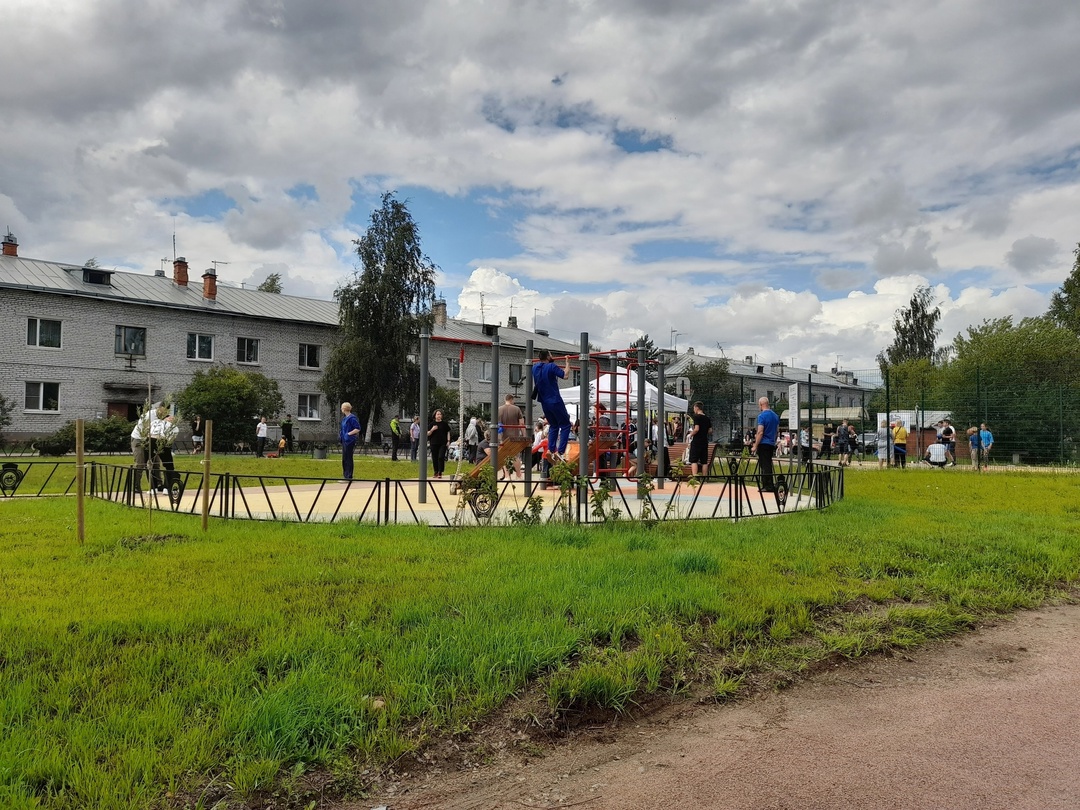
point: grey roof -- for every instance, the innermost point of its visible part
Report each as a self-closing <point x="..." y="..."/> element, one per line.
<point x="17" y="272"/>
<point x="468" y="332"/>
<point x="781" y="373"/>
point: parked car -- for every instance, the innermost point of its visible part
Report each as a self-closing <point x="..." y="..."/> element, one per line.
<point x="867" y="442"/>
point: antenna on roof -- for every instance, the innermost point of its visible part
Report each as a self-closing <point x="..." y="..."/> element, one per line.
<point x="511" y="306"/>
<point x="216" y="263"/>
<point x="161" y="270"/>
<point x="481" y="309"/>
<point x="174" y="239"/>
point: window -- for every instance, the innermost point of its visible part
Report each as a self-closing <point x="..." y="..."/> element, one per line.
<point x="42" y="332"/>
<point x="131" y="340"/>
<point x="42" y="396"/>
<point x="575" y="377"/>
<point x="485" y="371"/>
<point x="453" y="368"/>
<point x="307" y="406"/>
<point x="247" y="350"/>
<point x="517" y="374"/>
<point x="200" y="347"/>
<point x="309" y="355"/>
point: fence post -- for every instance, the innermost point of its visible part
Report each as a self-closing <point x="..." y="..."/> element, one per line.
<point x="386" y="503"/>
<point x="208" y="438"/>
<point x="422" y="456"/>
<point x="80" y="480"/>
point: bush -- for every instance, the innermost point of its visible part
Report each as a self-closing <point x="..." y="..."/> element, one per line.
<point x="110" y="435"/>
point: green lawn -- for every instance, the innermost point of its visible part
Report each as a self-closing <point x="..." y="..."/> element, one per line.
<point x="145" y="664"/>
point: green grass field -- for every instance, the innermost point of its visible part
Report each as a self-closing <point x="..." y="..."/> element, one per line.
<point x="166" y="667"/>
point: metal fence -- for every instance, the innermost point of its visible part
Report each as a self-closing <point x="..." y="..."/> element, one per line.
<point x="730" y="492"/>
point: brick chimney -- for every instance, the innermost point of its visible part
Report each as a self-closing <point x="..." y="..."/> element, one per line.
<point x="179" y="271"/>
<point x="438" y="310"/>
<point x="11" y="244"/>
<point x="209" y="285"/>
<point x="511" y="322"/>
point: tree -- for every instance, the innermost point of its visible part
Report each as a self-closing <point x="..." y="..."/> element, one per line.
<point x="382" y="310"/>
<point x="651" y="353"/>
<point x="713" y="385"/>
<point x="233" y="399"/>
<point x="1065" y="302"/>
<point x="916" y="331"/>
<point x="272" y="284"/>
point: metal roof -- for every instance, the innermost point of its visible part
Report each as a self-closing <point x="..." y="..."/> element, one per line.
<point x="468" y="332"/>
<point x="781" y="373"/>
<point x="17" y="272"/>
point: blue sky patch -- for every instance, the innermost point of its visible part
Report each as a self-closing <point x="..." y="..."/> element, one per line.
<point x="659" y="250"/>
<point x="304" y="192"/>
<point x="211" y="204"/>
<point x="637" y="140"/>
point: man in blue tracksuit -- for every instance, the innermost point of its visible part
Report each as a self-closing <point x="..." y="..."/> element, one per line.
<point x="546" y="376"/>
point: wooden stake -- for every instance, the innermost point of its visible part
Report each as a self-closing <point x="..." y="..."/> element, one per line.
<point x="208" y="438"/>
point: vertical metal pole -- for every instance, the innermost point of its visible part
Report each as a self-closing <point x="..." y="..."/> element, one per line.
<point x="1061" y="424"/>
<point x="208" y="442"/>
<point x="80" y="481"/>
<point x="495" y="430"/>
<point x="661" y="424"/>
<point x="742" y="408"/>
<point x="386" y="503"/>
<point x="809" y="422"/>
<point x="425" y="339"/>
<point x="583" y="421"/>
<point x="643" y="422"/>
<point x="527" y="368"/>
<point x="888" y="422"/>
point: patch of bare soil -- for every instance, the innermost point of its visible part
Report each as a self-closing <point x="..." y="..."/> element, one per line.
<point x="987" y="720"/>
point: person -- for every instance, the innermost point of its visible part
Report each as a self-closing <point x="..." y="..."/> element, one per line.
<point x="936" y="454"/>
<point x="286" y="433"/>
<point x="546" y="376"/>
<point x="699" y="441"/>
<point x="538" y="440"/>
<point x="472" y="441"/>
<point x="948" y="436"/>
<point x="884" y="445"/>
<point x="899" y="441"/>
<point x="512" y="429"/>
<point x="806" y="453"/>
<point x="140" y="447"/>
<point x="986" y="441"/>
<point x="843" y="443"/>
<point x="828" y="439"/>
<point x="282" y="446"/>
<point x="163" y="432"/>
<point x="768" y="423"/>
<point x="438" y="437"/>
<point x="349" y="435"/>
<point x="974" y="446"/>
<point x="260" y="437"/>
<point x="197" y="429"/>
<point x="414" y="437"/>
<point x="395" y="437"/>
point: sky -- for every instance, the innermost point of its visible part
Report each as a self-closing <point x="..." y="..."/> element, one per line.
<point x="771" y="178"/>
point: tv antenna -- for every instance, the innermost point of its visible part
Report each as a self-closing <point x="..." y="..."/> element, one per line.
<point x="216" y="263"/>
<point x="481" y="309"/>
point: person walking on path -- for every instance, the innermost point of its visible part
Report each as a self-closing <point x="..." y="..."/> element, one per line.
<point x="986" y="441"/>
<point x="260" y="437"/>
<point x="349" y="434"/>
<point x="546" y="376"/>
<point x="768" y="425"/>
<point x="948" y="437"/>
<point x="699" y="441"/>
<point x="395" y="437"/>
<point x="438" y="441"/>
<point x="414" y="437"/>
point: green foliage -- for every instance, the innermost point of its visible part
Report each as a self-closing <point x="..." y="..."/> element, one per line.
<point x="718" y="391"/>
<point x="272" y="284"/>
<point x="916" y="331"/>
<point x="1065" y="302"/>
<point x="383" y="310"/>
<point x="112" y="435"/>
<point x="233" y="399"/>
<point x="6" y="408"/>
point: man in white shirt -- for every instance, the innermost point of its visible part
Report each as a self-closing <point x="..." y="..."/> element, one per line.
<point x="936" y="454"/>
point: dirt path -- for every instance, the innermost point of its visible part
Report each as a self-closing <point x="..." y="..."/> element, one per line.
<point x="987" y="720"/>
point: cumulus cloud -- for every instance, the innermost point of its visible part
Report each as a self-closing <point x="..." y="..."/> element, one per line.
<point x="1032" y="253"/>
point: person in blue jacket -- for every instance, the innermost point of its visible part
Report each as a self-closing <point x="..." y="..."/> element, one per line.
<point x="546" y="375"/>
<point x="350" y="432"/>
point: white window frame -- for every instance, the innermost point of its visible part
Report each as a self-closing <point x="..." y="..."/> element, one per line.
<point x="126" y="328"/>
<point x="198" y="336"/>
<point x="485" y="371"/>
<point x="303" y="362"/>
<point x="246" y="341"/>
<point x="453" y="368"/>
<point x="37" y="333"/>
<point x="520" y="373"/>
<point x="40" y="397"/>
<point x="302" y="408"/>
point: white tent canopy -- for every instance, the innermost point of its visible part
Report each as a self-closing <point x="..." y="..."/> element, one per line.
<point x="618" y="384"/>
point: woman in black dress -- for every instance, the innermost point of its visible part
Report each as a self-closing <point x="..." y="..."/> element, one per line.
<point x="438" y="441"/>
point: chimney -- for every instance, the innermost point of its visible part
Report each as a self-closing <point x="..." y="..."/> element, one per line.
<point x="179" y="273"/>
<point x="511" y="322"/>
<point x="749" y="360"/>
<point x="11" y="245"/>
<point x="209" y="285"/>
<point x="813" y="367"/>
<point x="438" y="310"/>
